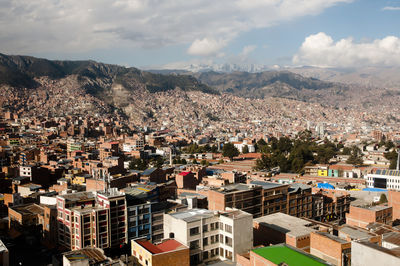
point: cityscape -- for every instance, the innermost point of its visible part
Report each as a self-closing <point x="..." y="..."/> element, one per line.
<point x="244" y="133"/>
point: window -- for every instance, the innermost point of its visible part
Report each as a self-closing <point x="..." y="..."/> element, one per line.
<point x="212" y="227"/>
<point x="205" y="228"/>
<point x="205" y="241"/>
<point x="228" y="241"/>
<point x="194" y="244"/>
<point x="221" y="226"/>
<point x="228" y="228"/>
<point x="221" y="239"/>
<point x="205" y="255"/>
<point x="194" y="231"/>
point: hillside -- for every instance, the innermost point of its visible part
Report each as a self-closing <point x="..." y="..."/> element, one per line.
<point x="21" y="72"/>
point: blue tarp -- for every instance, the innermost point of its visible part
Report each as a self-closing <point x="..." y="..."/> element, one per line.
<point x="325" y="186"/>
<point x="375" y="189"/>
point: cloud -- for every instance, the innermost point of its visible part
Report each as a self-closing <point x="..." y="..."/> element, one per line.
<point x="391" y="8"/>
<point x="206" y="47"/>
<point x="321" y="50"/>
<point x="248" y="49"/>
<point x="42" y="26"/>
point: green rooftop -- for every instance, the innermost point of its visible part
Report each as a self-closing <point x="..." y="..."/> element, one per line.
<point x="281" y="253"/>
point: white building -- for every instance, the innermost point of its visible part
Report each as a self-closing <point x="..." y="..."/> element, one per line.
<point x="210" y="234"/>
<point x="384" y="178"/>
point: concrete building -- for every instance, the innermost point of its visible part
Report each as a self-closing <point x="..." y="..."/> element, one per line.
<point x="384" y="178"/>
<point x="282" y="228"/>
<point x="257" y="198"/>
<point x="169" y="252"/>
<point x="210" y="234"/>
<point x="364" y="253"/>
<point x="86" y="257"/>
<point x="330" y="248"/>
<point x="88" y="219"/>
<point x="362" y="216"/>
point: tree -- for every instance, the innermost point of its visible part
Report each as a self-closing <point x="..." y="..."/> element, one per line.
<point x="392" y="157"/>
<point x="245" y="149"/>
<point x="229" y="150"/>
<point x="263" y="163"/>
<point x="203" y="162"/>
<point x="138" y="164"/>
<point x="382" y="199"/>
<point x="194" y="161"/>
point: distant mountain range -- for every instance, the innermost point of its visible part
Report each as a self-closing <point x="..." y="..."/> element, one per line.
<point x="120" y="88"/>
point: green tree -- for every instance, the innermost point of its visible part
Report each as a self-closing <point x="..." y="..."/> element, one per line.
<point x="382" y="199"/>
<point x="194" y="161"/>
<point x="263" y="163"/>
<point x="245" y="149"/>
<point x="355" y="156"/>
<point x="229" y="150"/>
<point x="138" y="164"/>
<point x="392" y="157"/>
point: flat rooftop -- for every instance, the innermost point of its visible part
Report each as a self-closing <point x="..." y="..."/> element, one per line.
<point x="94" y="255"/>
<point x="374" y="208"/>
<point x="166" y="246"/>
<point x="355" y="233"/>
<point x="287" y="224"/>
<point x="235" y="214"/>
<point x="234" y="188"/>
<point x="267" y="185"/>
<point x="280" y="254"/>
<point x="28" y="209"/>
<point x="193" y="215"/>
<point x="78" y="196"/>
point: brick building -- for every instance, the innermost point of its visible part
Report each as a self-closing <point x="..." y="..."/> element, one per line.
<point x="330" y="248"/>
<point x="362" y="216"/>
<point x="169" y="252"/>
<point x="394" y="202"/>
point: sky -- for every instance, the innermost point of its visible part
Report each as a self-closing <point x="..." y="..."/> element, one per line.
<point x="175" y="33"/>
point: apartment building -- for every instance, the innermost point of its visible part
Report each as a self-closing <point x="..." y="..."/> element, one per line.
<point x="89" y="219"/>
<point x="209" y="234"/>
<point x="299" y="203"/>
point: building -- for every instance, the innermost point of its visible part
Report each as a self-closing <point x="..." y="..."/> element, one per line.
<point x="362" y="216"/>
<point x="364" y="253"/>
<point x="87" y="257"/>
<point x="169" y="252"/>
<point x="330" y="248"/>
<point x="4" y="255"/>
<point x="384" y="178"/>
<point x="282" y="228"/>
<point x="88" y="219"/>
<point x="209" y="234"/>
<point x="257" y="198"/>
<point x="394" y="202"/>
<point x="281" y="254"/>
<point x="299" y="200"/>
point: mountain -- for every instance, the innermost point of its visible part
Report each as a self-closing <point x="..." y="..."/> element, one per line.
<point x="383" y="77"/>
<point x="283" y="84"/>
<point x="21" y="71"/>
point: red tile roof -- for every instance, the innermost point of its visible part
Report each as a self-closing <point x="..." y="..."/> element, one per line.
<point x="184" y="173"/>
<point x="168" y="245"/>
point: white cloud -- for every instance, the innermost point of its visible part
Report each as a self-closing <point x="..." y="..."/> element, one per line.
<point x="391" y="8"/>
<point x="321" y="50"/>
<point x="248" y="49"/>
<point x="206" y="47"/>
<point x="42" y="26"/>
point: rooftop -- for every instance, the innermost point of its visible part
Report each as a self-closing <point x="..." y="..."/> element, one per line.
<point x="166" y="246"/>
<point x="78" y="196"/>
<point x="94" y="255"/>
<point x="284" y="223"/>
<point x="28" y="209"/>
<point x="393" y="238"/>
<point x="332" y="237"/>
<point x="193" y="215"/>
<point x="234" y="188"/>
<point x="355" y="232"/>
<point x="266" y="185"/>
<point x="282" y="253"/>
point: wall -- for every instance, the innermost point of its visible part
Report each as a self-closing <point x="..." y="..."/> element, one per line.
<point x="394" y="201"/>
<point x="362" y="255"/>
<point x="175" y="258"/>
<point x="326" y="248"/>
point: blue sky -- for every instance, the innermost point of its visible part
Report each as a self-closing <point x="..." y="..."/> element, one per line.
<point x="153" y="33"/>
